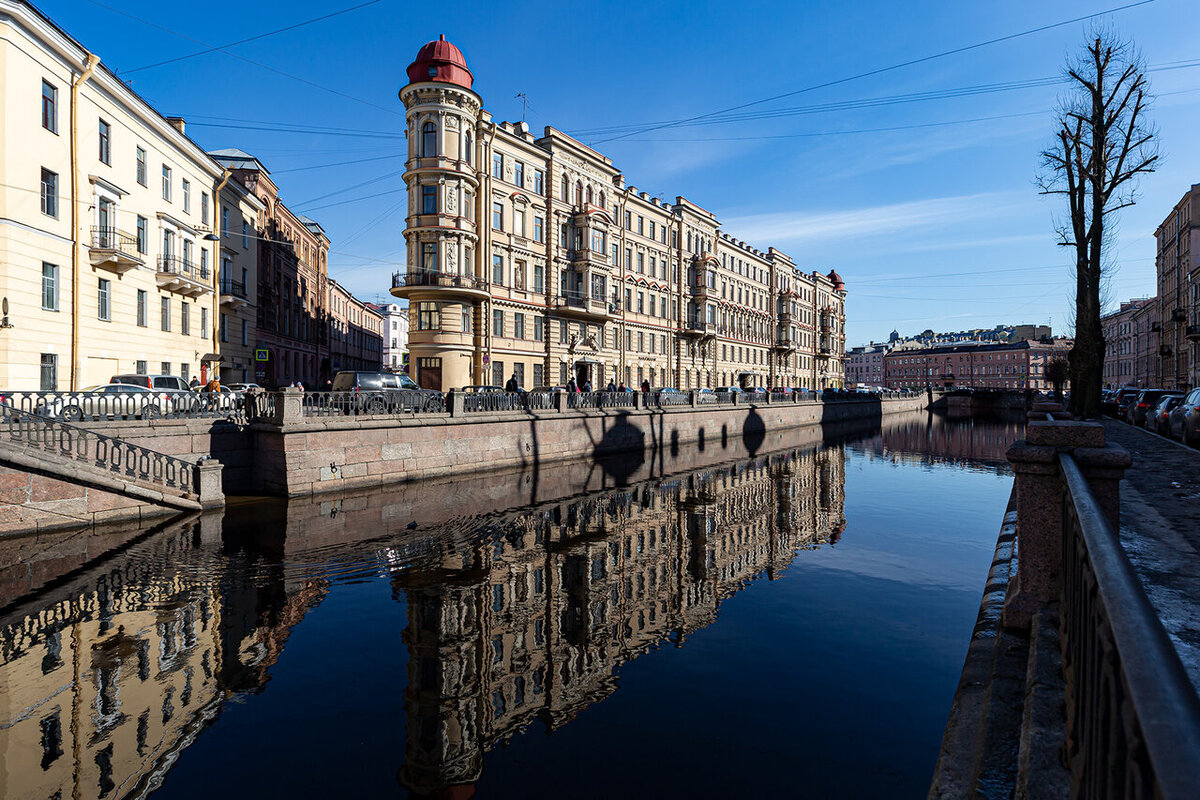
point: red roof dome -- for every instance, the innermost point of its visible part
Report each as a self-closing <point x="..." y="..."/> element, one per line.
<point x="838" y="283"/>
<point x="440" y="61"/>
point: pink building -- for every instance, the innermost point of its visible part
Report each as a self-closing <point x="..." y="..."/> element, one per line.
<point x="864" y="366"/>
<point x="1123" y="336"/>
<point x="1019" y="365"/>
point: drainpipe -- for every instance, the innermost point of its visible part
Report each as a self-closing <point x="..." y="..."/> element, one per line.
<point x="93" y="61"/>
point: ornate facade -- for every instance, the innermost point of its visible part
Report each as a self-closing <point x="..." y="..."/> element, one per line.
<point x="530" y="256"/>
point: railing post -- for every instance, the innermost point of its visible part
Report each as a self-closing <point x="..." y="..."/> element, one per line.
<point x="560" y="401"/>
<point x="289" y="406"/>
<point x="1040" y="497"/>
<point x="456" y="403"/>
<point x="693" y="396"/>
<point x="208" y="483"/>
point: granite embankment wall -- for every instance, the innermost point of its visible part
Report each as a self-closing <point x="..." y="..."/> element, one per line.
<point x="347" y="453"/>
<point x="35" y="501"/>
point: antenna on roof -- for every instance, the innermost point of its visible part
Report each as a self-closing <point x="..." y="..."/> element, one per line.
<point x="524" y="98"/>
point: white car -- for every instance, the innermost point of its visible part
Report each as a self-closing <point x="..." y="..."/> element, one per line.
<point x="106" y="401"/>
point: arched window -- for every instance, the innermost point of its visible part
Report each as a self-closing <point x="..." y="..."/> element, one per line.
<point x="468" y="147"/>
<point x="578" y="191"/>
<point x="602" y="204"/>
<point x="589" y="195"/>
<point x="564" y="189"/>
<point x="429" y="145"/>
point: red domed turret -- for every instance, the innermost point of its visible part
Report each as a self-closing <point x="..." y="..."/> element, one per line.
<point x="440" y="61"/>
<point x="838" y="284"/>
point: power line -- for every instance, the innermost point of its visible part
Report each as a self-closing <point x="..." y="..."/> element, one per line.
<point x="367" y="182"/>
<point x="339" y="163"/>
<point x="260" y="65"/>
<point x="891" y="68"/>
<point x="252" y="38"/>
<point x="353" y="200"/>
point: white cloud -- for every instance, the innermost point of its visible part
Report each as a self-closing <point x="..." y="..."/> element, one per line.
<point x="886" y="220"/>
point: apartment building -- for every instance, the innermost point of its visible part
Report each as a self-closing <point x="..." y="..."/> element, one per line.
<point x="531" y="257"/>
<point x="292" y="287"/>
<point x="1121" y="342"/>
<point x="1177" y="265"/>
<point x="106" y="263"/>
<point x="1019" y="365"/>
<point x="355" y="332"/>
<point x="864" y="365"/>
<point x="395" y="335"/>
<point x="237" y="286"/>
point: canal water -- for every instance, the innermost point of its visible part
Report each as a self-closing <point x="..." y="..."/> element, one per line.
<point x="791" y="623"/>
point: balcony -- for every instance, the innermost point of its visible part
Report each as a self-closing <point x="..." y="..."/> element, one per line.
<point x="178" y="275"/>
<point x="114" y="250"/>
<point x="233" y="293"/>
<point x="589" y="309"/>
<point x="784" y="343"/>
<point x="702" y="291"/>
<point x="700" y="329"/>
<point x="439" y="284"/>
<point x="1179" y="315"/>
<point x="584" y="256"/>
<point x="1193" y="333"/>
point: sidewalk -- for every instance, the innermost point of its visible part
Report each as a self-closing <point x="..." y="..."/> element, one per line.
<point x="1160" y="531"/>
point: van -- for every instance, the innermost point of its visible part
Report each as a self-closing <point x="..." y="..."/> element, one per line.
<point x="382" y="393"/>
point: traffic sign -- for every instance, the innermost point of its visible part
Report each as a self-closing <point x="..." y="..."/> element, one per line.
<point x="262" y="354"/>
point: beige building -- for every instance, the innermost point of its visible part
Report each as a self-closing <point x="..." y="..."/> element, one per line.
<point x="1177" y="264"/>
<point x="355" y="332"/>
<point x="238" y="281"/>
<point x="530" y="256"/>
<point x="104" y="210"/>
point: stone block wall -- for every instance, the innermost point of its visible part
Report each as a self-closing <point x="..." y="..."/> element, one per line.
<point x="34" y="502"/>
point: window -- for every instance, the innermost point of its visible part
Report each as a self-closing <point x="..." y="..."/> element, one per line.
<point x="224" y="326"/>
<point x="105" y="143"/>
<point x="49" y="193"/>
<point x="185" y="318"/>
<point x="468" y="150"/>
<point x="166" y="183"/>
<point x="539" y="379"/>
<point x="204" y="208"/>
<point x="245" y="235"/>
<point x="186" y="189"/>
<point x="245" y="332"/>
<point x="49" y="106"/>
<point x="104" y="300"/>
<point x="539" y="278"/>
<point x="141" y="166"/>
<point x="498" y="379"/>
<point x="49" y="286"/>
<point x="165" y="368"/>
<point x="143" y="233"/>
<point x="518" y="225"/>
<point x="429" y="318"/>
<point x="429" y="143"/>
<point x="519" y="326"/>
<point x="184" y="371"/>
<point x="428" y="199"/>
<point x="497" y="322"/>
<point x="539" y="182"/>
<point x="628" y="221"/>
<point x="204" y="322"/>
<point x="166" y="313"/>
<point x="641" y="225"/>
<point x="466" y="321"/>
<point x="141" y="368"/>
<point x="519" y="174"/>
<point x="539" y="229"/>
<point x="539" y="335"/>
<point x="429" y="257"/>
<point x="49" y="372"/>
<point x="498" y="216"/>
<point x="224" y="220"/>
<point x="141" y="308"/>
<point x="497" y="165"/>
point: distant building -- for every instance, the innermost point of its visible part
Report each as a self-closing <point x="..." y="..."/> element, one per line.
<point x="395" y="334"/>
<point x="1121" y="342"/>
<point x="864" y="365"/>
<point x="355" y="332"/>
<point x="1177" y="265"/>
<point x="1017" y="365"/>
<point x="1146" y="329"/>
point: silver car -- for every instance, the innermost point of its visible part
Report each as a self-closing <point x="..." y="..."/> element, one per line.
<point x="1185" y="419"/>
<point x="106" y="401"/>
<point x="1158" y="418"/>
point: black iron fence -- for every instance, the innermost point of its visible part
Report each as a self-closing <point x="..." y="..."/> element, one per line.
<point x="119" y="402"/>
<point x="104" y="238"/>
<point x="1133" y="717"/>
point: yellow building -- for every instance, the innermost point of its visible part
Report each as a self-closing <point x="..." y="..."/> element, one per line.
<point x="531" y="257"/>
<point x="105" y="206"/>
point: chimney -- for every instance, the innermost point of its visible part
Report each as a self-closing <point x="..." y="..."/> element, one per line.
<point x="177" y="123"/>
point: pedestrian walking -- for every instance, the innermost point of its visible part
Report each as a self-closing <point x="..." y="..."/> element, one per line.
<point x="511" y="385"/>
<point x="587" y="386"/>
<point x="646" y="386"/>
<point x="195" y="384"/>
<point x="612" y="387"/>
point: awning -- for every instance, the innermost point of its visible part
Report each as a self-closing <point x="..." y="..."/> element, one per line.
<point x="213" y="357"/>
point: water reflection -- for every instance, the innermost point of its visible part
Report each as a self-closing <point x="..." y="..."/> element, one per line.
<point x="515" y="617"/>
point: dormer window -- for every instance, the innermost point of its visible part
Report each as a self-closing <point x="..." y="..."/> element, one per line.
<point x="433" y="72"/>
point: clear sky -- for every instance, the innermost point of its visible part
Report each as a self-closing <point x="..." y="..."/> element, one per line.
<point x="934" y="222"/>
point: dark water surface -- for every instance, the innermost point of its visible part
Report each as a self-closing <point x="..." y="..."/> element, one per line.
<point x="793" y="624"/>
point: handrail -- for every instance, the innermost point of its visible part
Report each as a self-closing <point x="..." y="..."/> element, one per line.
<point x="1133" y="715"/>
<point x="132" y="461"/>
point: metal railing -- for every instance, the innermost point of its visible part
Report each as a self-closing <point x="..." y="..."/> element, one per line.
<point x="100" y="406"/>
<point x="115" y="239"/>
<point x="373" y="403"/>
<point x="233" y="288"/>
<point x="1133" y="716"/>
<point x="117" y="456"/>
<point x="177" y="265"/>
<point x="444" y="279"/>
<point x="667" y="399"/>
<point x="493" y="401"/>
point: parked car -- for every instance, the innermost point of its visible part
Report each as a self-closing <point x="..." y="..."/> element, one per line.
<point x="225" y="399"/>
<point x="108" y="400"/>
<point x="240" y="388"/>
<point x="382" y="392"/>
<point x="1146" y="400"/>
<point x="1158" y="419"/>
<point x="1125" y="397"/>
<point x="183" y="398"/>
<point x="481" y="389"/>
<point x="1184" y="419"/>
<point x="732" y="389"/>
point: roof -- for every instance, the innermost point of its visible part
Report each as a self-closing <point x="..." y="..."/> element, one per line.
<point x="442" y="62"/>
<point x="311" y="224"/>
<point x="234" y="158"/>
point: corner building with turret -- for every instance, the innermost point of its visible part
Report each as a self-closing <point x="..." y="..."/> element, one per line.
<point x="531" y="256"/>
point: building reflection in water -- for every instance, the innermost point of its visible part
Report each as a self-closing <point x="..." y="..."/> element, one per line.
<point x="514" y="618"/>
<point x="979" y="442"/>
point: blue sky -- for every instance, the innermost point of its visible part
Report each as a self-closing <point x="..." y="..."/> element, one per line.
<point x="932" y="225"/>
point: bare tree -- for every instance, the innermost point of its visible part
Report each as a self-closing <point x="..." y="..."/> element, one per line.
<point x="1058" y="372"/>
<point x="1102" y="143"/>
